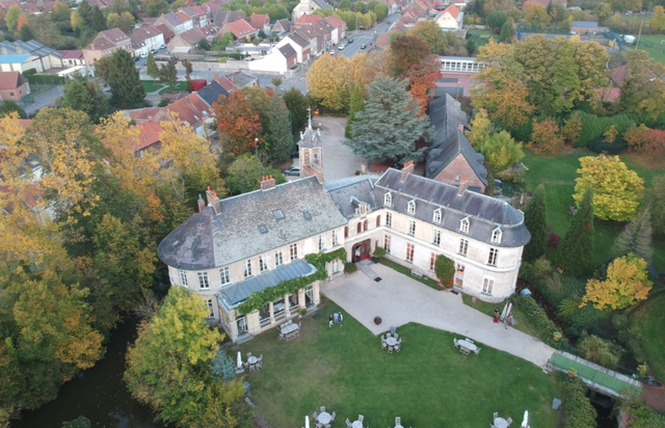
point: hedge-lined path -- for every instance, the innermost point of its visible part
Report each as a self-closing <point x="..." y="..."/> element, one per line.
<point x="399" y="299"/>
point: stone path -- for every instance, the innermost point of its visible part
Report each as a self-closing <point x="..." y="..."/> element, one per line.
<point x="399" y="300"/>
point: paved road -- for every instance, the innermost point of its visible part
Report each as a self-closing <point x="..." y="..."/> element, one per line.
<point x="399" y="300"/>
<point x="45" y="99"/>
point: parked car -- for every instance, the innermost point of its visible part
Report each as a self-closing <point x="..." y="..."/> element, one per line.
<point x="342" y="46"/>
<point x="363" y="46"/>
<point x="294" y="170"/>
<point x="348" y="42"/>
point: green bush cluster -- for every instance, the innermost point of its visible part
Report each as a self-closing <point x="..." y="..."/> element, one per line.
<point x="577" y="409"/>
<point x="45" y="80"/>
<point x="594" y="128"/>
<point x="537" y="317"/>
<point x="600" y="351"/>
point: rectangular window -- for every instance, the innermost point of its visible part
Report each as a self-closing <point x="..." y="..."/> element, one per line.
<point x="183" y="278"/>
<point x="388" y="199"/>
<point x="437" y="237"/>
<point x="334" y="238"/>
<point x="496" y="236"/>
<point x="412" y="227"/>
<point x="263" y="265"/>
<point x="464" y="225"/>
<point x="211" y="310"/>
<point x="491" y="260"/>
<point x="411" y="207"/>
<point x="389" y="219"/>
<point x="279" y="259"/>
<point x="432" y="261"/>
<point x="463" y="246"/>
<point x="248" y="268"/>
<point x="293" y="250"/>
<point x="488" y="285"/>
<point x="322" y="242"/>
<point x="410" y="249"/>
<point x="436" y="217"/>
<point x="203" y="280"/>
<point x="224" y="275"/>
<point x="386" y="243"/>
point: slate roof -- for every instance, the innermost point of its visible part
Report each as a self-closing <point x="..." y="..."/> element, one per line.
<point x="282" y="25"/>
<point x="207" y="240"/>
<point x="211" y="93"/>
<point x="298" y="39"/>
<point x="323" y="4"/>
<point x="72" y="54"/>
<point x="237" y="293"/>
<point x="348" y="194"/>
<point x="287" y="51"/>
<point x="446" y="115"/>
<point x="31" y="47"/>
<point x="441" y="156"/>
<point x="484" y="212"/>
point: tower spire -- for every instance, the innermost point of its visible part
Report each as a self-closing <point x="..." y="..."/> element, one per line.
<point x="309" y="117"/>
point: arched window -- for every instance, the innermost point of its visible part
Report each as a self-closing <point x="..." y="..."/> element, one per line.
<point x="359" y="228"/>
<point x="378" y="221"/>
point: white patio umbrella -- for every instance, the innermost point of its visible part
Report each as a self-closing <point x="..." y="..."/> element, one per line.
<point x="239" y="360"/>
<point x="307" y="421"/>
<point x="525" y="422"/>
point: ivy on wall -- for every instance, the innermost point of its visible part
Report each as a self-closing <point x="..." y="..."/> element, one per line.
<point x="258" y="300"/>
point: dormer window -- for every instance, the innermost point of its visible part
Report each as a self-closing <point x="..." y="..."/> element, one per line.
<point x="411" y="207"/>
<point x="496" y="235"/>
<point x="436" y="216"/>
<point x="464" y="225"/>
<point x="388" y="199"/>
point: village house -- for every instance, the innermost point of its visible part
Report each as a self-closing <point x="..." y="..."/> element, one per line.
<point x="106" y="43"/>
<point x="177" y="24"/>
<point x="13" y="86"/>
<point x="307" y="7"/>
<point x="451" y="19"/>
<point x="145" y="40"/>
<point x="22" y="56"/>
<point x="72" y="58"/>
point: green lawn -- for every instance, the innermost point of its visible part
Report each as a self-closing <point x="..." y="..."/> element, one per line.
<point x="481" y="37"/>
<point x="655" y="45"/>
<point x="559" y="174"/>
<point x="650" y="319"/>
<point x="428" y="384"/>
<point x="151" y="86"/>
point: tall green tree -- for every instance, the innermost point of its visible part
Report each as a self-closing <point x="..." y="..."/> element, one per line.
<point x="356" y="105"/>
<point x="430" y="33"/>
<point x="246" y="172"/>
<point x="575" y="250"/>
<point x="390" y="125"/>
<point x="121" y="74"/>
<point x="535" y="220"/>
<point x="168" y="73"/>
<point x="297" y="103"/>
<point x="636" y="237"/>
<point x="85" y="95"/>
<point x="152" y="67"/>
<point x="657" y="203"/>
<point x="169" y="366"/>
<point x="501" y="151"/>
<point x="278" y="130"/>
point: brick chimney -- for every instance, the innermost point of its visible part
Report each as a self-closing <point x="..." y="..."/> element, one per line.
<point x="213" y="200"/>
<point x="464" y="186"/>
<point x="202" y="203"/>
<point x="267" y="182"/>
<point x="407" y="170"/>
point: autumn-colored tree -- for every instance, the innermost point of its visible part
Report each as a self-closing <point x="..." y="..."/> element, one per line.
<point x="535" y="220"/>
<point x="535" y="16"/>
<point x="76" y="21"/>
<point x="169" y="366"/>
<point x="238" y="125"/>
<point x="575" y="247"/>
<point x="124" y="21"/>
<point x="657" y="22"/>
<point x="642" y="94"/>
<point x="627" y="282"/>
<point x="329" y="81"/>
<point x="422" y="80"/>
<point x="617" y="190"/>
<point x="405" y="52"/>
<point x="430" y="33"/>
<point x="12" y="17"/>
<point x="545" y="139"/>
<point x="637" y="137"/>
<point x="572" y="129"/>
<point x="501" y="151"/>
<point x="365" y="67"/>
<point x="481" y="128"/>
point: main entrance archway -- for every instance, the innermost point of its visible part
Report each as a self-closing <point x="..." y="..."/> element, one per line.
<point x="361" y="251"/>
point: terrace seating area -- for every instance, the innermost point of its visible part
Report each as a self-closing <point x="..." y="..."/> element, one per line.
<point x="289" y="330"/>
<point x="391" y="341"/>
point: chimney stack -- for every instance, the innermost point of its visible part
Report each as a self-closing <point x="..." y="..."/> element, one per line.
<point x="464" y="186"/>
<point x="407" y="170"/>
<point x="213" y="200"/>
<point x="202" y="203"/>
<point x="267" y="182"/>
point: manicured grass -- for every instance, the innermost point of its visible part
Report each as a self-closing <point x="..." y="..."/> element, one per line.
<point x="151" y="86"/>
<point x="179" y="87"/>
<point x="406" y="271"/>
<point x="558" y="175"/>
<point x="429" y="384"/>
<point x="652" y="44"/>
<point x="481" y="37"/>
<point x="650" y="319"/>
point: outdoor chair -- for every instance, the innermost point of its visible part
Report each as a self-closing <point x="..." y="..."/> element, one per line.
<point x="390" y="349"/>
<point x="316" y="415"/>
<point x="249" y="354"/>
<point x="348" y="423"/>
<point x="509" y="420"/>
<point x="495" y="415"/>
<point x="319" y="425"/>
<point x="455" y="342"/>
<point x="469" y="340"/>
<point x="384" y="345"/>
<point x="398" y="420"/>
<point x="361" y="418"/>
<point x="477" y="351"/>
<point x="323" y="409"/>
<point x="327" y="426"/>
<point x="397" y="347"/>
<point x="332" y="416"/>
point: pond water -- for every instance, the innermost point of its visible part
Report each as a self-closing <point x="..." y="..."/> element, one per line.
<point x="98" y="394"/>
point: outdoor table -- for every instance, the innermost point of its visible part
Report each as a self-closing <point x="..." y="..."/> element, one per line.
<point x="289" y="329"/>
<point x="324" y="418"/>
<point x="399" y="426"/>
<point x="467" y="345"/>
<point x="391" y="341"/>
<point x="357" y="424"/>
<point x="500" y="423"/>
<point x="252" y="360"/>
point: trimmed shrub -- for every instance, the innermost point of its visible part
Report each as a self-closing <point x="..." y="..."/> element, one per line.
<point x="350" y="267"/>
<point x="600" y="351"/>
<point x="594" y="128"/>
<point x="577" y="409"/>
<point x="538" y="319"/>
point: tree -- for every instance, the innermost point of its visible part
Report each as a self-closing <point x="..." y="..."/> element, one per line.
<point x="600" y="351"/>
<point x="25" y="32"/>
<point x="155" y="8"/>
<point x="277" y="126"/>
<point x="535" y="220"/>
<point x="545" y="139"/>
<point x="481" y="128"/>
<point x="535" y="16"/>
<point x="238" y="124"/>
<point x="85" y="95"/>
<point x="405" y="52"/>
<point x="123" y="21"/>
<point x="577" y="244"/>
<point x="76" y="21"/>
<point x="12" y="17"/>
<point x="445" y="270"/>
<point x="329" y="82"/>
<point x="627" y="282"/>
<point x="657" y="22"/>
<point x="635" y="238"/>
<point x="297" y="103"/>
<point x="642" y="93"/>
<point x="390" y="125"/>
<point x="507" y="33"/>
<point x="501" y="151"/>
<point x="169" y="366"/>
<point x="657" y="203"/>
<point x="617" y="190"/>
<point x="246" y="172"/>
<point x="204" y="45"/>
<point x="356" y="106"/>
<point x="189" y="68"/>
<point x="430" y="33"/>
<point x="422" y="80"/>
<point x="152" y="67"/>
<point x="572" y="129"/>
<point x="495" y="20"/>
<point x="92" y="16"/>
<point x="8" y="107"/>
<point x="121" y="74"/>
<point x="223" y="367"/>
<point x="168" y="72"/>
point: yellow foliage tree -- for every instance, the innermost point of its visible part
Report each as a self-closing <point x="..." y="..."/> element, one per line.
<point x="627" y="283"/>
<point x="330" y="81"/>
<point x="617" y="190"/>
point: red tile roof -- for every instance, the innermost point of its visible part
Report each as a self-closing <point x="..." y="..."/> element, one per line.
<point x="239" y="28"/>
<point x="259" y="20"/>
<point x="453" y="11"/>
<point x="335" y="21"/>
<point x="308" y="19"/>
<point x="150" y="135"/>
<point x="10" y="80"/>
